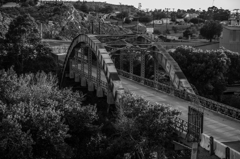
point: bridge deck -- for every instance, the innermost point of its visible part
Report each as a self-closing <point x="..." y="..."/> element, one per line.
<point x="220" y="127"/>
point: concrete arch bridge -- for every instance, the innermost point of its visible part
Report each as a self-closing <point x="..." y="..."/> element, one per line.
<point x="99" y="62"/>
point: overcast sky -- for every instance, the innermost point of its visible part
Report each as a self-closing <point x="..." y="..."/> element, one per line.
<point x="178" y="4"/>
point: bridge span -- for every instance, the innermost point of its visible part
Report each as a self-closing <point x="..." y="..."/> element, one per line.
<point x="89" y="60"/>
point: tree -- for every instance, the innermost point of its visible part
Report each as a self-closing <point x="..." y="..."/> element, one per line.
<point x="40" y="121"/>
<point x="107" y="9"/>
<point x="233" y="74"/>
<point x="196" y="20"/>
<point x="141" y="127"/>
<point x="187" y="33"/>
<point x="122" y="15"/>
<point x="206" y="70"/>
<point x="23" y="49"/>
<point x="145" y="19"/>
<point x="211" y="29"/>
<point x="84" y="8"/>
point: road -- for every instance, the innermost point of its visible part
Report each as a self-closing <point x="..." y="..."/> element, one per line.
<point x="220" y="127"/>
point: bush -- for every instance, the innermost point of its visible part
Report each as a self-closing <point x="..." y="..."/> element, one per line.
<point x="175" y="29"/>
<point x="157" y="32"/>
<point x="127" y="21"/>
<point x="40" y="121"/>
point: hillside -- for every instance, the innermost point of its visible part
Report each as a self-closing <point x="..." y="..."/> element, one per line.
<point x="60" y="21"/>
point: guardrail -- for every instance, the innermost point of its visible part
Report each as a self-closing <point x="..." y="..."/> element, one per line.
<point x="195" y="99"/>
<point x="217" y="148"/>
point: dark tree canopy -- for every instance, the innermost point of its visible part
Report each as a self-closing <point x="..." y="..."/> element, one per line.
<point x="206" y="70"/>
<point x="211" y="29"/>
<point x="23" y="49"/>
<point x="38" y="120"/>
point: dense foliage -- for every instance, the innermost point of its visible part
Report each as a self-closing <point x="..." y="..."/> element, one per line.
<point x="40" y="121"/>
<point x="214" y="13"/>
<point x="22" y="48"/>
<point x="143" y="127"/>
<point x="211" y="29"/>
<point x="206" y="70"/>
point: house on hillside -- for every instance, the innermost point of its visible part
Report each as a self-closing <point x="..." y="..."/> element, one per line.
<point x="190" y="15"/>
<point x="180" y="21"/>
<point x="235" y="19"/>
<point x="156" y="22"/>
<point x="230" y="38"/>
<point x="161" y="21"/>
<point x="166" y="20"/>
<point x="10" y="4"/>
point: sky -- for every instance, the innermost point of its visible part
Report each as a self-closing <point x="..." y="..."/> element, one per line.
<point x="178" y="4"/>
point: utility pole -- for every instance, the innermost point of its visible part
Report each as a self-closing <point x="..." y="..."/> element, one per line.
<point x="167" y="18"/>
<point x="153" y="21"/>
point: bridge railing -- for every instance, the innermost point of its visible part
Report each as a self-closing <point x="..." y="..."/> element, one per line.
<point x="202" y="102"/>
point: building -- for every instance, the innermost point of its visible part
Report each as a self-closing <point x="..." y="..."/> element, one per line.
<point x="10" y="5"/>
<point x="230" y="38"/>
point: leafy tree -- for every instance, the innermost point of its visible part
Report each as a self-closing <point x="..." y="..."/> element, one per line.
<point x="107" y="9"/>
<point x="213" y="13"/>
<point x="175" y="29"/>
<point x="190" y="31"/>
<point x="141" y="127"/>
<point x="206" y="70"/>
<point x="122" y="15"/>
<point x="40" y="121"/>
<point x="127" y="21"/>
<point x="233" y="74"/>
<point x="211" y="29"/>
<point x="196" y="20"/>
<point x="23" y="49"/>
<point x="84" y="8"/>
<point x="145" y="19"/>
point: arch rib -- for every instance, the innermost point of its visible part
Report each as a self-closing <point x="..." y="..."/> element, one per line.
<point x="111" y="74"/>
<point x="175" y="73"/>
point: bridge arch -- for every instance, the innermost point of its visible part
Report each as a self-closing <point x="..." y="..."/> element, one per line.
<point x="104" y="63"/>
<point x="99" y="44"/>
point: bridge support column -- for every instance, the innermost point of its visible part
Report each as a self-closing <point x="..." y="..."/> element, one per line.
<point x="71" y="71"/>
<point x="99" y="87"/>
<point x="142" y="67"/>
<point x="90" y="86"/>
<point x="83" y="78"/>
<point x="82" y="62"/>
<point x="77" y="77"/>
<point x="110" y="99"/>
<point x="76" y="69"/>
<point x="121" y="61"/>
<point x="83" y="82"/>
<point x="194" y="152"/>
<point x="89" y="64"/>
<point x="131" y="65"/>
<point x="155" y="72"/>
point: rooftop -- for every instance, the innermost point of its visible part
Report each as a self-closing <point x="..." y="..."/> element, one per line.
<point x="232" y="27"/>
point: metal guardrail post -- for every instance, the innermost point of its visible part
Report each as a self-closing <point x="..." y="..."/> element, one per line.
<point x="211" y="142"/>
<point x="227" y="153"/>
<point x="142" y="67"/>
